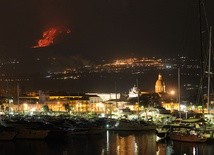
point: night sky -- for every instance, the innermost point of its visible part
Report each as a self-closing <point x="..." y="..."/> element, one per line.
<point x="102" y="28"/>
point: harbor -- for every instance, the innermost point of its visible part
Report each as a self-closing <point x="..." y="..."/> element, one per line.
<point x="60" y="116"/>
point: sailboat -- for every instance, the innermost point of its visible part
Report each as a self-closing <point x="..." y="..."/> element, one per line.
<point x="208" y="128"/>
<point x="195" y="130"/>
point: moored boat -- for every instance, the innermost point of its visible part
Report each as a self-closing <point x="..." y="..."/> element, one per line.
<point x="7" y="135"/>
<point x="187" y="137"/>
<point x="31" y="134"/>
<point x="207" y="132"/>
<point x="187" y="134"/>
<point x="162" y="131"/>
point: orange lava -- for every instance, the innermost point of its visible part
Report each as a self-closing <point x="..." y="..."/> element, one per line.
<point x="49" y="36"/>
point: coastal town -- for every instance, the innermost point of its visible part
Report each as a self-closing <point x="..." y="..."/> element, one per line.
<point x="93" y="113"/>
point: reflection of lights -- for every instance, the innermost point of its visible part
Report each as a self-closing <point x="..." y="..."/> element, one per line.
<point x="107" y="140"/>
<point x="103" y="151"/>
<point x="135" y="148"/>
<point x="118" y="149"/>
<point x="193" y="151"/>
<point x="169" y="150"/>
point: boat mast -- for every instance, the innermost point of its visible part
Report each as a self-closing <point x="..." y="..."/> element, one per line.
<point x="209" y="64"/>
<point x="138" y="99"/>
<point x="115" y="87"/>
<point x="202" y="58"/>
<point x="18" y="95"/>
<point x="179" y="92"/>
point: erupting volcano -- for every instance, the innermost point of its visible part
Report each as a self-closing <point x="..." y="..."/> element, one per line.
<point x="49" y="36"/>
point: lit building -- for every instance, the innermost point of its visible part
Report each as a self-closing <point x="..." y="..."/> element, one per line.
<point x="106" y="96"/>
<point x="160" y="85"/>
<point x="134" y="92"/>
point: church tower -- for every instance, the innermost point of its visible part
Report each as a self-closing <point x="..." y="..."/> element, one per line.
<point x="160" y="85"/>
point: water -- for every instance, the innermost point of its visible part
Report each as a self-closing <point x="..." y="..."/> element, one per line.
<point x="109" y="143"/>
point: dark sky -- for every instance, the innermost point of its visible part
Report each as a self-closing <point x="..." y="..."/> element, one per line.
<point x="102" y="28"/>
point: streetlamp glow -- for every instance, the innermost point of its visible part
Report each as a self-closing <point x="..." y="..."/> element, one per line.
<point x="172" y="92"/>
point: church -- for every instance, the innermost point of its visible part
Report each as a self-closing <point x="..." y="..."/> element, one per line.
<point x="160" y="86"/>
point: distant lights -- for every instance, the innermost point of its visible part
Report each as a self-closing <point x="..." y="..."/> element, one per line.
<point x="168" y="67"/>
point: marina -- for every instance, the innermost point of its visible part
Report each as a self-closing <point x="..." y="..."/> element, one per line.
<point x="64" y="126"/>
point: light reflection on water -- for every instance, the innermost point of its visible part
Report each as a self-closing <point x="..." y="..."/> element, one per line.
<point x="126" y="143"/>
<point x="110" y="143"/>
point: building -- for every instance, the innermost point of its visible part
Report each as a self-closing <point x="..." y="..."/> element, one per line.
<point x="160" y="85"/>
<point x="134" y="92"/>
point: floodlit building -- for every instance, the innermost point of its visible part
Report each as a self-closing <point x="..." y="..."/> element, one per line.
<point x="160" y="85"/>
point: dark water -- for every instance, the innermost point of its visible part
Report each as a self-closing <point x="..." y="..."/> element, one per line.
<point x="109" y="143"/>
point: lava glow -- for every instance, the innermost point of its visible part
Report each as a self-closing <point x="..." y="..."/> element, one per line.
<point x="49" y="36"/>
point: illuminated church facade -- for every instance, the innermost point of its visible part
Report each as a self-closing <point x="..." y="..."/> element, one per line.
<point x="160" y="86"/>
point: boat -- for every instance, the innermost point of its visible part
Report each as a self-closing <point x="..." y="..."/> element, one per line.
<point x="7" y="133"/>
<point x="208" y="128"/>
<point x="196" y="129"/>
<point x="193" y="120"/>
<point x="131" y="125"/>
<point x="162" y="132"/>
<point x="187" y="137"/>
<point x="87" y="127"/>
<point x="25" y="130"/>
<point x="31" y="134"/>
<point x="199" y="125"/>
<point x="207" y="132"/>
<point x="186" y="134"/>
<point x="54" y="131"/>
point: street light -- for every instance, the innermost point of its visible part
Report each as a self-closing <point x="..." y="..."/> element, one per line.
<point x="172" y="92"/>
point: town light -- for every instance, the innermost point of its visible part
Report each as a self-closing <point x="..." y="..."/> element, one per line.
<point x="25" y="106"/>
<point x="172" y="92"/>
